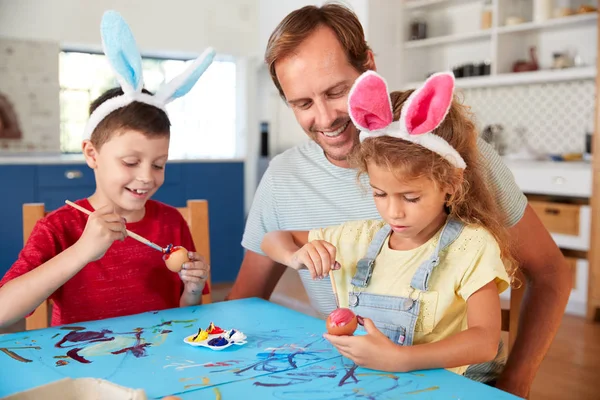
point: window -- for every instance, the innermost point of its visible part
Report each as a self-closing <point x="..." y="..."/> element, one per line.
<point x="203" y="122"/>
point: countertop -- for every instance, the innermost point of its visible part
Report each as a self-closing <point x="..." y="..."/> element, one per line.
<point x="55" y="158"/>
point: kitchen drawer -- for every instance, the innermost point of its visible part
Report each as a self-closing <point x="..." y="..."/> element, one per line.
<point x="573" y="179"/>
<point x="80" y="175"/>
<point x="558" y="217"/>
<point x="569" y="224"/>
<point x="65" y="176"/>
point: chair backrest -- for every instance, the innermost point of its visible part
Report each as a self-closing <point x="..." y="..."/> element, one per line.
<point x="195" y="213"/>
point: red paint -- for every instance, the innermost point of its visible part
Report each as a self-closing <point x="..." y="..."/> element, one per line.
<point x="222" y="363"/>
<point x="214" y="330"/>
<point x="60" y="363"/>
<point x="73" y="353"/>
<point x="341" y="321"/>
<point x="171" y="251"/>
<point x="86" y="336"/>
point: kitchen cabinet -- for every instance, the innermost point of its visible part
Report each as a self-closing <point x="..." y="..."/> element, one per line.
<point x="460" y="38"/>
<point x="219" y="182"/>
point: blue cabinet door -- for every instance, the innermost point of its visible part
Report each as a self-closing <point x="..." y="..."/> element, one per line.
<point x="222" y="184"/>
<point x="172" y="190"/>
<point x="18" y="187"/>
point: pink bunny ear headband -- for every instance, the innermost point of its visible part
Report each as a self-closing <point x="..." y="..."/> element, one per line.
<point x="424" y="110"/>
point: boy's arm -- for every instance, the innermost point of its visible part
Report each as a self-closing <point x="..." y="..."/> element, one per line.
<point x="21" y="295"/>
<point x="44" y="266"/>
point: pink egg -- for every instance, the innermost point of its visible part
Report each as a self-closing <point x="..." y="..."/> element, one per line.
<point x="341" y="321"/>
<point x="176" y="258"/>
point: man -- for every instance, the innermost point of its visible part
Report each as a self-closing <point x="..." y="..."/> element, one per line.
<point x="314" y="56"/>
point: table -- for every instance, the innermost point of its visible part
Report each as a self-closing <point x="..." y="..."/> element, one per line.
<point x="286" y="357"/>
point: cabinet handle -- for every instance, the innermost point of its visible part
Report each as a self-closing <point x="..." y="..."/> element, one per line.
<point x="74" y="174"/>
<point x="559" y="180"/>
<point x="552" y="211"/>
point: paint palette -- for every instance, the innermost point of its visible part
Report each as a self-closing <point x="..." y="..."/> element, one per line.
<point x="216" y="339"/>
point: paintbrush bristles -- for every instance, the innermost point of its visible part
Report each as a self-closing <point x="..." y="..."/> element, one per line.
<point x="129" y="233"/>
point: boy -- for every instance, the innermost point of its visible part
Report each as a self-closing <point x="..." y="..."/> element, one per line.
<point x="87" y="265"/>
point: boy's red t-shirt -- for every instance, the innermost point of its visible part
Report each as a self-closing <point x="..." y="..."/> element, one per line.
<point x="131" y="277"/>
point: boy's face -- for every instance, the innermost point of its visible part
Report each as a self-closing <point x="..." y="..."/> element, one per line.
<point x="129" y="169"/>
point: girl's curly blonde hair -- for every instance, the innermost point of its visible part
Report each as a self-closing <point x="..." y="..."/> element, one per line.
<point x="472" y="200"/>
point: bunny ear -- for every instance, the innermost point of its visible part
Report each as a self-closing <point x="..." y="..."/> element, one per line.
<point x="369" y="103"/>
<point x="427" y="106"/>
<point x="183" y="83"/>
<point x="122" y="52"/>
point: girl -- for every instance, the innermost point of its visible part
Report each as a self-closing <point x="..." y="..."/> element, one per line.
<point x="427" y="277"/>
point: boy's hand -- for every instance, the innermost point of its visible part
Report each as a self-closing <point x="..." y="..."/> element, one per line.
<point x="194" y="274"/>
<point x="103" y="227"/>
<point x="317" y="256"/>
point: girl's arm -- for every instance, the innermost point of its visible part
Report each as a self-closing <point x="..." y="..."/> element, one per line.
<point x="477" y="344"/>
<point x="280" y="246"/>
<point x="291" y="248"/>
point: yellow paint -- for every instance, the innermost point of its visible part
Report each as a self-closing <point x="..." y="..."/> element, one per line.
<point x="205" y="382"/>
<point x="203" y="335"/>
<point x="429" y="389"/>
<point x="217" y="394"/>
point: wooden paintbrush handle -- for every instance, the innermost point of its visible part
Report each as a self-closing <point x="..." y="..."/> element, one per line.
<point x="129" y="233"/>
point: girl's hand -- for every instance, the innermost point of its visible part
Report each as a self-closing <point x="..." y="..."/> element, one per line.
<point x="373" y="350"/>
<point x="194" y="273"/>
<point x="317" y="256"/>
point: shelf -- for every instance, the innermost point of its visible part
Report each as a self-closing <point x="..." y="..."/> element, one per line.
<point x="421" y="4"/>
<point x="459" y="37"/>
<point x="550" y="24"/>
<point x="522" y="78"/>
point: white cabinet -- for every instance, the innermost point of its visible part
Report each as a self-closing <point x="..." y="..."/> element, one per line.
<point x="455" y="38"/>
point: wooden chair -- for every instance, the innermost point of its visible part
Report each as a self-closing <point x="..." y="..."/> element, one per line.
<point x="195" y="213"/>
<point x="510" y="316"/>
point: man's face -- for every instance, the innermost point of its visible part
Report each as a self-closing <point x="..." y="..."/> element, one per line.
<point x="316" y="79"/>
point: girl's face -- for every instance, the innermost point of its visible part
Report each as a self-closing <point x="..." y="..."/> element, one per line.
<point x="415" y="209"/>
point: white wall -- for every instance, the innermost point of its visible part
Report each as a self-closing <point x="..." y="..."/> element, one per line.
<point x="178" y="26"/>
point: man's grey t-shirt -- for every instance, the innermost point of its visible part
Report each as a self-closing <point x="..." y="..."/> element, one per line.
<point x="302" y="190"/>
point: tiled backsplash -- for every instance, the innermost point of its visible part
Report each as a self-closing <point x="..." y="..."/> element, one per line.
<point x="556" y="115"/>
<point x="29" y="80"/>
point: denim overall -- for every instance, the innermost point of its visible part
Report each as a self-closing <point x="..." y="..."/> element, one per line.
<point x="395" y="316"/>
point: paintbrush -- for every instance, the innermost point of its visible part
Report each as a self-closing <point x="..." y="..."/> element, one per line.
<point x="334" y="288"/>
<point x="133" y="235"/>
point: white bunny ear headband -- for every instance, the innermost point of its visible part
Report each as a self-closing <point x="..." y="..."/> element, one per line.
<point x="425" y="109"/>
<point x="126" y="62"/>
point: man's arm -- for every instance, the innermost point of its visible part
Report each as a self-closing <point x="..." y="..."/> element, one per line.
<point x="258" y="277"/>
<point x="549" y="283"/>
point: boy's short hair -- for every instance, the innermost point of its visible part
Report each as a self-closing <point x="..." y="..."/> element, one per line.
<point x="141" y="117"/>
